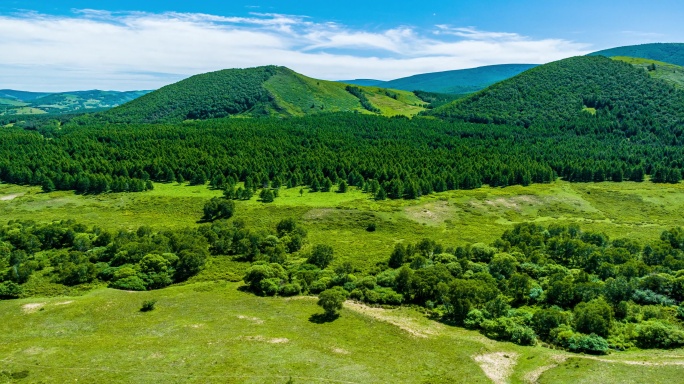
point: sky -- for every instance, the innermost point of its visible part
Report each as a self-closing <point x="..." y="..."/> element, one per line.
<point x="62" y="45"/>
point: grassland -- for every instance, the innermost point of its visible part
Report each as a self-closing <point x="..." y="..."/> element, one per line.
<point x="635" y="210"/>
<point x="212" y="332"/>
<point x="673" y="74"/>
<point x="207" y="330"/>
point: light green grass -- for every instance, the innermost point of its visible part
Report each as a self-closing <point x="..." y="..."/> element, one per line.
<point x="212" y="332"/>
<point x="634" y="210"/>
<point x="673" y="74"/>
<point x="299" y="95"/>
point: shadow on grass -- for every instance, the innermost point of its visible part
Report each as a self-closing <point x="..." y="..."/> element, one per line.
<point x="322" y="318"/>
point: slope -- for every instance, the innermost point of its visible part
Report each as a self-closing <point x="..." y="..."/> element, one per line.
<point x="673" y="74"/>
<point x="260" y="91"/>
<point x="672" y="53"/>
<point x="364" y="82"/>
<point x="590" y="92"/>
<point x="458" y="81"/>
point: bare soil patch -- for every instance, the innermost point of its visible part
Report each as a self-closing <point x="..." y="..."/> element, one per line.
<point x="411" y="326"/>
<point x="498" y="366"/>
<point x="11" y="196"/>
<point x="32" y="307"/>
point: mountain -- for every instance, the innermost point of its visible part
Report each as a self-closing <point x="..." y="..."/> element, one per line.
<point x="35" y="103"/>
<point x="459" y="81"/>
<point x="260" y="91"/>
<point x="673" y="74"/>
<point x="672" y="53"/>
<point x="363" y="82"/>
<point x="588" y="93"/>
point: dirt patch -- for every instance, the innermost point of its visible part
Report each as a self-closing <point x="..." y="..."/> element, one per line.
<point x="514" y="202"/>
<point x="411" y="326"/>
<point x="64" y="302"/>
<point x="10" y="197"/>
<point x="32" y="307"/>
<point x="533" y="376"/>
<point x="498" y="366"/>
<point x="318" y="214"/>
<point x="254" y="320"/>
<point x="340" y="351"/>
<point x="431" y="213"/>
<point x="276" y="340"/>
<point x="196" y="326"/>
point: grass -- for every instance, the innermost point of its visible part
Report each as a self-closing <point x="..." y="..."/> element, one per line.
<point x="300" y="95"/>
<point x="213" y="332"/>
<point x="634" y="210"/>
<point x="207" y="330"/>
<point x="673" y="74"/>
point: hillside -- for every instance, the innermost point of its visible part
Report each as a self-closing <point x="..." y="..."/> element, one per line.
<point x="460" y="81"/>
<point x="33" y="103"/>
<point x="672" y="53"/>
<point x="590" y="92"/>
<point x="673" y="74"/>
<point x="261" y="91"/>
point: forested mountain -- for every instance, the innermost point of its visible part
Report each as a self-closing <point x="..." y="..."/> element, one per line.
<point x="672" y="53"/>
<point x="590" y="93"/>
<point x="261" y="91"/>
<point x="460" y="81"/>
<point x="364" y="82"/>
<point x="456" y="82"/>
<point x="33" y="103"/>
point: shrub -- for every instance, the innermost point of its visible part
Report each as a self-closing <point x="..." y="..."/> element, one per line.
<point x="593" y="317"/>
<point x="656" y="334"/>
<point x="293" y="289"/>
<point x="331" y="300"/>
<point x="148" y="305"/>
<point x="131" y="283"/>
<point x="321" y="256"/>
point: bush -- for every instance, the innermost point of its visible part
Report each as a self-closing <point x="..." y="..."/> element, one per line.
<point x="507" y="329"/>
<point x="148" y="305"/>
<point x="131" y="283"/>
<point x="293" y="289"/>
<point x="656" y="334"/>
<point x="593" y="317"/>
<point x="331" y="300"/>
<point x="321" y="256"/>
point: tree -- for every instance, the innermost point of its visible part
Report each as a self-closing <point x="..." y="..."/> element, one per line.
<point x="47" y="185"/>
<point x="331" y="300"/>
<point x="381" y="195"/>
<point x="217" y="208"/>
<point x="266" y="195"/>
<point x="593" y="317"/>
<point x="321" y="256"/>
<point x="342" y="187"/>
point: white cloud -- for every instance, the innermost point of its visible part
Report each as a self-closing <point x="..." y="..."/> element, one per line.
<point x="134" y="50"/>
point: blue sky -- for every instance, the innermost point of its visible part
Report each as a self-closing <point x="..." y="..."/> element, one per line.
<point x="66" y="45"/>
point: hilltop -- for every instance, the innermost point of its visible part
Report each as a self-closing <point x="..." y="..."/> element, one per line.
<point x="14" y="102"/>
<point x="672" y="53"/>
<point x="591" y="92"/>
<point x="260" y="91"/>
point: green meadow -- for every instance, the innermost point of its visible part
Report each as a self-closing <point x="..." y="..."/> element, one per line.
<point x="208" y="330"/>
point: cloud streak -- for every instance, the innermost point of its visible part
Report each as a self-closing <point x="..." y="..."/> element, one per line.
<point x="134" y="50"/>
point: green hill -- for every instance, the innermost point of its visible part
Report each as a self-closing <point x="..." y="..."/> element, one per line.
<point x="588" y="93"/>
<point x="672" y="53"/>
<point x="31" y="103"/>
<point x="460" y="81"/>
<point x="261" y="91"/>
<point x="673" y="74"/>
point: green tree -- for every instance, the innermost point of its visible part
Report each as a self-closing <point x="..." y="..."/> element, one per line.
<point x="321" y="255"/>
<point x="331" y="300"/>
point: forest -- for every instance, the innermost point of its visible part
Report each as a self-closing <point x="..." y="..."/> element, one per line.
<point x="387" y="157"/>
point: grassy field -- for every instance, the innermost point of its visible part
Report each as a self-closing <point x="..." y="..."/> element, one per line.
<point x="212" y="332"/>
<point x="673" y="74"/>
<point x="207" y="330"/>
<point x="634" y="210"/>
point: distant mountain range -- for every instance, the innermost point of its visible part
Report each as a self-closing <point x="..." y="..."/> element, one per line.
<point x="36" y="103"/>
<point x="456" y="82"/>
<point x="672" y="53"/>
